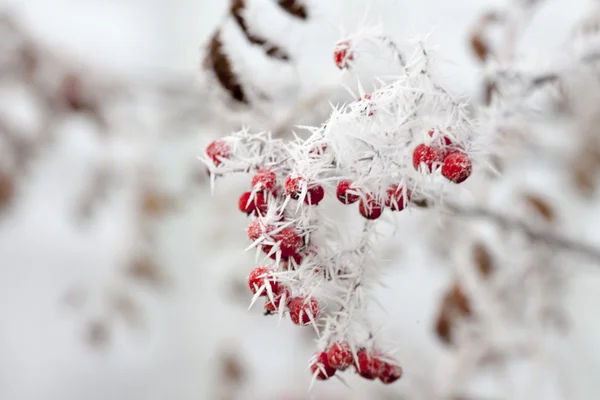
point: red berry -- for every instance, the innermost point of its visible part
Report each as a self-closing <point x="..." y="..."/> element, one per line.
<point x="395" y="197"/>
<point x="344" y="192"/>
<point x="342" y="55"/>
<point x="290" y="242"/>
<point x="264" y="179"/>
<point x="318" y="150"/>
<point x="293" y="186"/>
<point x="371" y="105"/>
<point x="429" y="155"/>
<point x="370" y="207"/>
<point x="390" y="373"/>
<point x="321" y="367"/>
<point x="258" y="205"/>
<point x="217" y="151"/>
<point x="368" y="365"/>
<point x="261" y="277"/>
<point x="340" y="356"/>
<point x="282" y="297"/>
<point x="244" y="203"/>
<point x="303" y="310"/>
<point x="444" y="140"/>
<point x="457" y="167"/>
<point x="257" y="228"/>
<point x="314" y="195"/>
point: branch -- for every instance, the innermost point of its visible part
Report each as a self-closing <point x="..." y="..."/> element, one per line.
<point x="549" y="238"/>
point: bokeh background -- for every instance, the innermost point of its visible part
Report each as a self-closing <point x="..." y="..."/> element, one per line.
<point x="122" y="277"/>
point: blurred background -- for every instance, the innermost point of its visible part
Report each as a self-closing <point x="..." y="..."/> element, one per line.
<point x="122" y="277"/>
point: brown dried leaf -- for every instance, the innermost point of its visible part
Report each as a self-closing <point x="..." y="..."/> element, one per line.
<point x="232" y="369"/>
<point x="7" y="189"/>
<point x="219" y="63"/>
<point x="294" y="8"/>
<point x="147" y="271"/>
<point x="479" y="46"/>
<point x="153" y="203"/>
<point x="541" y="206"/>
<point x="237" y="9"/>
<point x="483" y="259"/>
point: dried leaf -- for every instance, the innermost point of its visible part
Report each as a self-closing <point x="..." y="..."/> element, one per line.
<point x="541" y="206"/>
<point x="293" y="7"/>
<point x="218" y="62"/>
<point x="153" y="203"/>
<point x="483" y="259"/>
<point x="98" y="333"/>
<point x="479" y="46"/>
<point x="232" y="370"/>
<point x="147" y="271"/>
<point x="237" y="9"/>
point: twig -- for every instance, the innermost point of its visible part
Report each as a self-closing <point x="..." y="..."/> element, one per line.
<point x="549" y="238"/>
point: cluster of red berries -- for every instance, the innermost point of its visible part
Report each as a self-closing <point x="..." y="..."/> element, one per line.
<point x="456" y="164"/>
<point x="370" y="364"/>
<point x="302" y="310"/>
<point x="369" y="205"/>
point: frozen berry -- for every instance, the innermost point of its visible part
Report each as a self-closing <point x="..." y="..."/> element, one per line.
<point x="368" y="364"/>
<point x="342" y="55"/>
<point x="290" y="242"/>
<point x="258" y="205"/>
<point x="390" y="373"/>
<point x="318" y="150"/>
<point x="293" y="186"/>
<point x="395" y="197"/>
<point x="370" y="105"/>
<point x="457" y="167"/>
<point x="320" y="366"/>
<point x="261" y="277"/>
<point x="345" y="193"/>
<point x="281" y="298"/>
<point x="430" y="156"/>
<point x="370" y="207"/>
<point x="217" y="151"/>
<point x="264" y="179"/>
<point x="444" y="140"/>
<point x="244" y="203"/>
<point x="257" y="228"/>
<point x="340" y="356"/>
<point x="315" y="194"/>
<point x="303" y="310"/>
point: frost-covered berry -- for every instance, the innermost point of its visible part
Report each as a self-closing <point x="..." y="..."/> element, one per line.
<point x="342" y="54"/>
<point x="320" y="366"/>
<point x="340" y="355"/>
<point x="261" y="277"/>
<point x="290" y="242"/>
<point x="218" y="150"/>
<point x="370" y="105"/>
<point x="264" y="179"/>
<point x="280" y="299"/>
<point x="293" y="186"/>
<point x="390" y="373"/>
<point x="258" y="205"/>
<point x="257" y="228"/>
<point x="314" y="195"/>
<point x="369" y="207"/>
<point x="395" y="197"/>
<point x="368" y="364"/>
<point x="444" y="140"/>
<point x="430" y="156"/>
<point x="318" y="150"/>
<point x="303" y="310"/>
<point x="457" y="167"/>
<point x="344" y="192"/>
